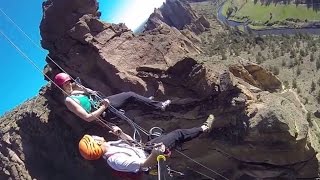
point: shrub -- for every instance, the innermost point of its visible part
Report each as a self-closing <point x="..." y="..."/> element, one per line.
<point x="300" y="59"/>
<point x="223" y="56"/>
<point x="306" y="101"/>
<point x="259" y="59"/>
<point x="308" y="116"/>
<point x="294" y="83"/>
<point x="229" y="12"/>
<point x="298" y="71"/>
<point x="285" y="84"/>
<point x="290" y="64"/>
<point x="318" y="97"/>
<point x="292" y="54"/>
<point x="312" y="57"/>
<point x="318" y="64"/>
<point x="313" y="86"/>
<point x="283" y="63"/>
<point x="236" y="52"/>
<point x="302" y="53"/>
<point x="296" y="61"/>
<point x="275" y="70"/>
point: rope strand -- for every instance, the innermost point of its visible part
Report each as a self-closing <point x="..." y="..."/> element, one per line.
<point x="201" y="165"/>
<point x="33" y="42"/>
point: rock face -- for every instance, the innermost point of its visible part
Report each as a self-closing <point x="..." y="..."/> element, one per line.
<point x="256" y="76"/>
<point x="179" y="15"/>
<point x="260" y="130"/>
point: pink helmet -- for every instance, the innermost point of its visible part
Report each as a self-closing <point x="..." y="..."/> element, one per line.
<point x="61" y="78"/>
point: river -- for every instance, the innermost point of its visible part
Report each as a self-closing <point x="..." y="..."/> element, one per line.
<point x="274" y="31"/>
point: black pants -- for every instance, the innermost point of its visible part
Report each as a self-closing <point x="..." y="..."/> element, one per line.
<point x="118" y="100"/>
<point x="177" y="137"/>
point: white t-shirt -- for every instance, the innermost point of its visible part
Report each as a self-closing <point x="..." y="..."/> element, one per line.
<point x="123" y="157"/>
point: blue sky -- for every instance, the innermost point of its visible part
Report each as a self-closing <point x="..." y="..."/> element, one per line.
<point x="19" y="79"/>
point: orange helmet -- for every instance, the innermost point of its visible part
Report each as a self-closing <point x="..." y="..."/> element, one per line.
<point x="89" y="148"/>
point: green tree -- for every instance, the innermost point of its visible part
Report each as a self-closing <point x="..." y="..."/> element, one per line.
<point x="259" y="59"/>
<point x="292" y="54"/>
<point x="294" y="83"/>
<point x="223" y="56"/>
<point x="306" y="100"/>
<point x="236" y="52"/>
<point x="308" y="116"/>
<point x="300" y="59"/>
<point x="311" y="57"/>
<point x="313" y="86"/>
<point x="229" y="12"/>
<point x="318" y="64"/>
<point x="296" y="61"/>
<point x="283" y="63"/>
<point x="275" y="70"/>
<point x="302" y="53"/>
<point x="285" y="84"/>
<point x="298" y="71"/>
<point x="318" y="97"/>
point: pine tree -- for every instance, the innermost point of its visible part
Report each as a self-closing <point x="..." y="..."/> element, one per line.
<point x="298" y="71"/>
<point x="312" y="57"/>
<point x="318" y="97"/>
<point x="294" y="83"/>
<point x="318" y="64"/>
<point x="313" y="86"/>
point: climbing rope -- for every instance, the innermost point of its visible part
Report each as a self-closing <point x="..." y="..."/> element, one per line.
<point x="106" y="124"/>
<point x="201" y="173"/>
<point x="162" y="170"/>
<point x="33" y="42"/>
<point x="201" y="165"/>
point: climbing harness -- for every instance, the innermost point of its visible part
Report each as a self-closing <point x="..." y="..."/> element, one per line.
<point x="154" y="132"/>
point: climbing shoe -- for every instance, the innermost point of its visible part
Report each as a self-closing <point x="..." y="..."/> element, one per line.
<point x="209" y="123"/>
<point x="165" y="104"/>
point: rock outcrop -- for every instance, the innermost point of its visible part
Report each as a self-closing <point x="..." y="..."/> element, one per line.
<point x="261" y="131"/>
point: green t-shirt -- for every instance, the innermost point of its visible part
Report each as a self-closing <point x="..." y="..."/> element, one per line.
<point x="84" y="101"/>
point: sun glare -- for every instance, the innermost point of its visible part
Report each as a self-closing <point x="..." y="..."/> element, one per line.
<point x="137" y="11"/>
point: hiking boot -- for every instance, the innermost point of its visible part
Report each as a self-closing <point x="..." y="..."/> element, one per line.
<point x="209" y="123"/>
<point x="165" y="104"/>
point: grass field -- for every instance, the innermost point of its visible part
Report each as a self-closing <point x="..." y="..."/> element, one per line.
<point x="259" y="14"/>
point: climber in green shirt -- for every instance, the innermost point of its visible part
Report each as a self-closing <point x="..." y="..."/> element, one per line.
<point x="77" y="99"/>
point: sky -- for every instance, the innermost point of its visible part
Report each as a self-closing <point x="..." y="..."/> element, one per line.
<point x="21" y="79"/>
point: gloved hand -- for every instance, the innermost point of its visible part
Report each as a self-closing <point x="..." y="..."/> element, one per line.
<point x="158" y="149"/>
<point x="116" y="131"/>
<point x="105" y="103"/>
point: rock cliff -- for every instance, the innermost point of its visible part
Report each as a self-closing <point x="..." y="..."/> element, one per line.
<point x="261" y="130"/>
